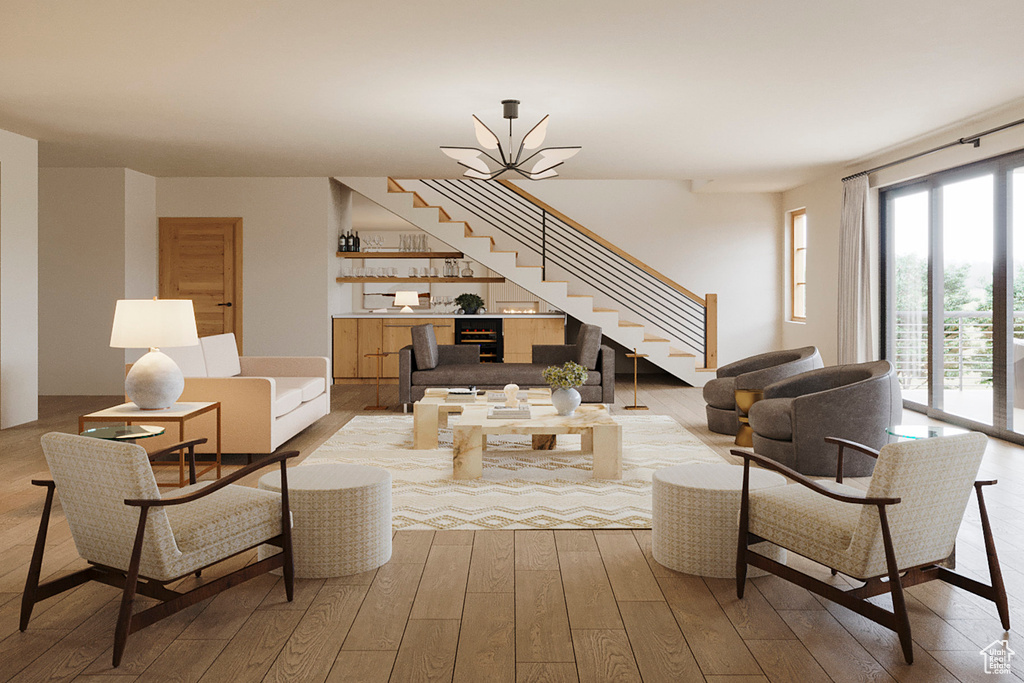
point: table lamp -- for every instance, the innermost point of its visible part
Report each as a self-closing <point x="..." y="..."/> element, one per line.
<point x="155" y="381"/>
<point x="407" y="299"/>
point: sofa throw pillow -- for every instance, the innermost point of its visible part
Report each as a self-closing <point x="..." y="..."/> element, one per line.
<point x="424" y="347"/>
<point x="588" y="345"/>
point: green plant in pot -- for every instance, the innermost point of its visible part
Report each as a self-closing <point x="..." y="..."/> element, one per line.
<point x="564" y="379"/>
<point x="470" y="303"/>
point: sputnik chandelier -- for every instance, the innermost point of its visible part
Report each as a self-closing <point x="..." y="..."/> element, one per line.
<point x="537" y="166"/>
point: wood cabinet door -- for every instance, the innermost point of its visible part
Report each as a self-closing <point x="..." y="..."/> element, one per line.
<point x="368" y="331"/>
<point x="346" y="348"/>
<point x="520" y="334"/>
<point x="398" y="333"/>
<point x="201" y="260"/>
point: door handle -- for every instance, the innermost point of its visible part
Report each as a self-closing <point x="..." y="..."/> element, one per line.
<point x="228" y="304"/>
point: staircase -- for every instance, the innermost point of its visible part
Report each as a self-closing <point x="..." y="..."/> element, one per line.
<point x="640" y="308"/>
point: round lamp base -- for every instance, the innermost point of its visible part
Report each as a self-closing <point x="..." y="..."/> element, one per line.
<point x="154" y="382"/>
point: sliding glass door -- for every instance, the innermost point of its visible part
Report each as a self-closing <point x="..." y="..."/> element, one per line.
<point x="953" y="257"/>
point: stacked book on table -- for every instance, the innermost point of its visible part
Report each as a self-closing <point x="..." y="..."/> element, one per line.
<point x="520" y="412"/>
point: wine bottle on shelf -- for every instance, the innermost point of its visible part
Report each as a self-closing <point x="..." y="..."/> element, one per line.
<point x="343" y="242"/>
<point x="356" y="239"/>
<point x="349" y="241"/>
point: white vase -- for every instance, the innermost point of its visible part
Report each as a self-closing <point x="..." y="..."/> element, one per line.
<point x="566" y="401"/>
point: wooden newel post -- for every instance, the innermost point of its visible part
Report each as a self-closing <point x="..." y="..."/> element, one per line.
<point x="710" y="330"/>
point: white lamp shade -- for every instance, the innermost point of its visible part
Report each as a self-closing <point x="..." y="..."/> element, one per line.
<point x="407" y="299"/>
<point x="151" y="323"/>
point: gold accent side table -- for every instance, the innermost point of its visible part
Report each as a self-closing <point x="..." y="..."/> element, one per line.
<point x="635" y="356"/>
<point x="380" y="356"/>
<point x="744" y="400"/>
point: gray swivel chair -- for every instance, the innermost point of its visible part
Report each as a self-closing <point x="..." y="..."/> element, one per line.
<point x="855" y="402"/>
<point x="753" y="374"/>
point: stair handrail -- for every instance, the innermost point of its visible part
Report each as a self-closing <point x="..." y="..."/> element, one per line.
<point x="602" y="241"/>
<point x="533" y="235"/>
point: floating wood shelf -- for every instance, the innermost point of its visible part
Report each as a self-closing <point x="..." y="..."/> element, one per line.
<point x="420" y="279"/>
<point x="400" y="254"/>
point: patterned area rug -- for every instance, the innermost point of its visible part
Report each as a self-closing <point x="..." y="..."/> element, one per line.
<point x="520" y="488"/>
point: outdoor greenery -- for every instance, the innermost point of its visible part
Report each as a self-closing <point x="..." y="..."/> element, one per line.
<point x="567" y="376"/>
<point x="967" y="323"/>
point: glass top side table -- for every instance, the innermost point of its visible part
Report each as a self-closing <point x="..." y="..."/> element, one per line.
<point x="127" y="433"/>
<point x="923" y="431"/>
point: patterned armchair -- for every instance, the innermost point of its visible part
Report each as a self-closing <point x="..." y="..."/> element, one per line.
<point x="892" y="537"/>
<point x="139" y="541"/>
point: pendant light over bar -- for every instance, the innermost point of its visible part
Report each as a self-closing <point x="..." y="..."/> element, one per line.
<point x="537" y="166"/>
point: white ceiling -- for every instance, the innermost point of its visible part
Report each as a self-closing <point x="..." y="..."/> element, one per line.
<point x="755" y="92"/>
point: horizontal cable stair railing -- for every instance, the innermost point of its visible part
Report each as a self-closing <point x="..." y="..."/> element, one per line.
<point x="558" y="243"/>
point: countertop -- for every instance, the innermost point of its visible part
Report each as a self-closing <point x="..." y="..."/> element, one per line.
<point x="417" y="314"/>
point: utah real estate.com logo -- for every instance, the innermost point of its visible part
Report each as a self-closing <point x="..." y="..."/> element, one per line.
<point x="997" y="657"/>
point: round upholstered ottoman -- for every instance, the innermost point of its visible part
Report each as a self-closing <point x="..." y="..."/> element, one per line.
<point x="341" y="518"/>
<point x="695" y="525"/>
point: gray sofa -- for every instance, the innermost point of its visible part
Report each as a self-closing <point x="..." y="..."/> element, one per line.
<point x="425" y="364"/>
<point x="752" y="374"/>
<point x="855" y="402"/>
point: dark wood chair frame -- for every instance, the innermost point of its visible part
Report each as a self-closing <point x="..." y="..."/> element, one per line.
<point x="893" y="581"/>
<point x="132" y="583"/>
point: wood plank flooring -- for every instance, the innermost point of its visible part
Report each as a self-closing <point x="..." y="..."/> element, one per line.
<point x="503" y="606"/>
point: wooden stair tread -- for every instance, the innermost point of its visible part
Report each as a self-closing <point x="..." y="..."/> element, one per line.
<point x="707" y="369"/>
<point x="680" y="354"/>
<point x="579" y="296"/>
<point x="627" y="323"/>
<point x="649" y="338"/>
<point x="598" y="309"/>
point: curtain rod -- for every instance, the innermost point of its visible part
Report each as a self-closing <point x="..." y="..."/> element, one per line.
<point x="969" y="140"/>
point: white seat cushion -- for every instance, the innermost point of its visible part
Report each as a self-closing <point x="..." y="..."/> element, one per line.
<point x="221" y="355"/>
<point x="221" y="524"/>
<point x="310" y="387"/>
<point x="286" y="400"/>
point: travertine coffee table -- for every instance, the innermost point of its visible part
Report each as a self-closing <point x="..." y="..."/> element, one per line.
<point x="599" y="434"/>
<point x="431" y="412"/>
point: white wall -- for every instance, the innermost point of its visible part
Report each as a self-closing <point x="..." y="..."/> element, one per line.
<point x="726" y="244"/>
<point x="823" y="201"/>
<point x="287" y="254"/>
<point x="19" y="279"/>
<point x="81" y="275"/>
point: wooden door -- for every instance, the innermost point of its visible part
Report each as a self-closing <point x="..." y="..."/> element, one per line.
<point x="201" y="260"/>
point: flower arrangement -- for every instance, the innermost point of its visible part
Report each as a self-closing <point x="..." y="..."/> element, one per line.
<point x="567" y="376"/>
<point x="470" y="303"/>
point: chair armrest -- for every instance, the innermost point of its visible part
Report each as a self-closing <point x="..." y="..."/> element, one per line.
<point x="770" y="464"/>
<point x="844" y="444"/>
<point x="809" y="382"/>
<point x="215" y="486"/>
<point x="553" y="354"/>
<point x="176" y="447"/>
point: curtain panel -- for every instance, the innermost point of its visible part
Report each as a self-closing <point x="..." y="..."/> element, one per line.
<point x="856" y="328"/>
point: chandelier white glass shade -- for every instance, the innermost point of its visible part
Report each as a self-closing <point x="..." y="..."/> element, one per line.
<point x="481" y="164"/>
<point x="155" y="381"/>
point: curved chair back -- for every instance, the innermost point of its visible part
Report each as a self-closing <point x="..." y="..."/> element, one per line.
<point x="933" y="478"/>
<point x="93" y="478"/>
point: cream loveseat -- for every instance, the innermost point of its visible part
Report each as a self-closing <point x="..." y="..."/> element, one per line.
<point x="265" y="400"/>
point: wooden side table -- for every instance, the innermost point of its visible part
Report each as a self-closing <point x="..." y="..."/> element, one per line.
<point x="179" y="414"/>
